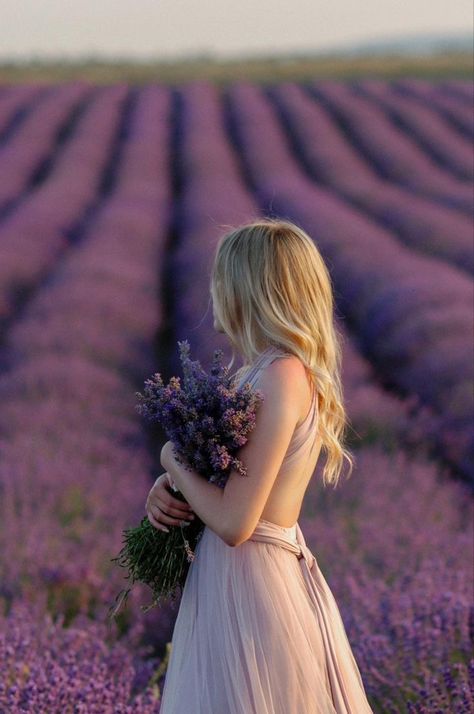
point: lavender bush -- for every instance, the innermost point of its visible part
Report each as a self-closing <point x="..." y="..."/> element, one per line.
<point x="46" y="667"/>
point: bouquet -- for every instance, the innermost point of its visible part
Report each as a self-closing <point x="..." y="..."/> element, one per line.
<point x="207" y="418"/>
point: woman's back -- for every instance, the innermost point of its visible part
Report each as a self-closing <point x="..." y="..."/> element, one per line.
<point x="284" y="503"/>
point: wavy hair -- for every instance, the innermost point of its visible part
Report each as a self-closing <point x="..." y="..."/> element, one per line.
<point x="270" y="286"/>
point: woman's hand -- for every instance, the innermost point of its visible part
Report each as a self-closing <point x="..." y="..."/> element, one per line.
<point x="163" y="508"/>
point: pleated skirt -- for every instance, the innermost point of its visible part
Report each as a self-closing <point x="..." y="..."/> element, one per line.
<point x="258" y="632"/>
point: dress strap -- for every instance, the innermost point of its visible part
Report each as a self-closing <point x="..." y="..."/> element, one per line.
<point x="263" y="360"/>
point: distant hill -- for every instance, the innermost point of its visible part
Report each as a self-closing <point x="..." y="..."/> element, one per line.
<point x="416" y="44"/>
<point x="431" y="56"/>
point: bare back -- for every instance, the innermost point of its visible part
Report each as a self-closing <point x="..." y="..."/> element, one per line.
<point x="284" y="503"/>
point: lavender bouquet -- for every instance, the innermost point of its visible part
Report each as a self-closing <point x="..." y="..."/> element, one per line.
<point x="207" y="418"/>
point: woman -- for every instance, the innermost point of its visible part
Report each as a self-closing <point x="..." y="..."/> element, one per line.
<point x="258" y="630"/>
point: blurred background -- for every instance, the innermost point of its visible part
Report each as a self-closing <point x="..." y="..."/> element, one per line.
<point x="132" y="136"/>
<point x="144" y="40"/>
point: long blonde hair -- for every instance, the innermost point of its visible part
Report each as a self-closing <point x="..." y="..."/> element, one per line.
<point x="270" y="286"/>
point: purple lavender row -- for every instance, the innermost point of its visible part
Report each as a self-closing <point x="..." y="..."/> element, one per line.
<point x="413" y="314"/>
<point x="34" y="141"/>
<point x="461" y="118"/>
<point x="333" y="162"/>
<point x="461" y="89"/>
<point x="451" y="151"/>
<point x="376" y="416"/>
<point x="392" y="151"/>
<point x="37" y="229"/>
<point x="77" y="351"/>
<point x="75" y="468"/>
<point x="212" y="198"/>
<point x="17" y="102"/>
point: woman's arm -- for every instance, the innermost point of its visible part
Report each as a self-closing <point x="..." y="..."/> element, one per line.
<point x="283" y="384"/>
<point x="233" y="512"/>
<point x="205" y="498"/>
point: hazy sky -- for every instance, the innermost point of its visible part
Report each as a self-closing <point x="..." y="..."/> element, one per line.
<point x="164" y="28"/>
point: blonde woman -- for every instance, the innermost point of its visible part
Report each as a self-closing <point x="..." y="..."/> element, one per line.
<point x="258" y="630"/>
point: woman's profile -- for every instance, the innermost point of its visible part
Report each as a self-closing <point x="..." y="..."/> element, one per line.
<point x="258" y="630"/>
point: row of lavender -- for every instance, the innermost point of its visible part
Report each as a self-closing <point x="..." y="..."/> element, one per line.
<point x="404" y="594"/>
<point x="393" y="149"/>
<point x="38" y="225"/>
<point x="458" y="115"/>
<point x="28" y="150"/>
<point x="77" y="298"/>
<point x="450" y="149"/>
<point x="75" y="465"/>
<point x="460" y="88"/>
<point x="333" y="160"/>
<point x="16" y="102"/>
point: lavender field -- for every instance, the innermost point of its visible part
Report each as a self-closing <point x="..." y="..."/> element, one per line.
<point x="112" y="199"/>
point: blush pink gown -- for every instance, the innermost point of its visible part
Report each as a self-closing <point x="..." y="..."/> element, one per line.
<point x="258" y="630"/>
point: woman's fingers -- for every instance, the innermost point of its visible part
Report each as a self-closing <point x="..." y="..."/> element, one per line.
<point x="155" y="523"/>
<point x="162" y="490"/>
<point x="168" y="503"/>
<point x="174" y="507"/>
<point x="163" y="509"/>
<point x="163" y="517"/>
<point x="177" y="509"/>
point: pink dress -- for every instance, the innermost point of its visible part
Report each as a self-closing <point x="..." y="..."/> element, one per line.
<point x="258" y="630"/>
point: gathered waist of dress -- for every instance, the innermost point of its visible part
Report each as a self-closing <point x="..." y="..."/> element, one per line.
<point x="291" y="530"/>
<point x="291" y="538"/>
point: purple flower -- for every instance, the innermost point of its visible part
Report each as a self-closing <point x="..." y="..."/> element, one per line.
<point x="206" y="417"/>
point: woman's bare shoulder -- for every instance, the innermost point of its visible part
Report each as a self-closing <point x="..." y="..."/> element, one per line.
<point x="286" y="364"/>
<point x="285" y="374"/>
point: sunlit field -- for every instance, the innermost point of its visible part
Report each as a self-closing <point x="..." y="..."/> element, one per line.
<point x="112" y="198"/>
